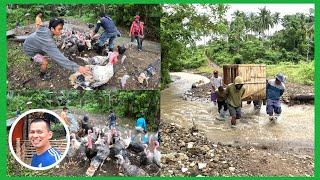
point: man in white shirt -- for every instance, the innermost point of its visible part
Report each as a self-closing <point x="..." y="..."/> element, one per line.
<point x="216" y="82"/>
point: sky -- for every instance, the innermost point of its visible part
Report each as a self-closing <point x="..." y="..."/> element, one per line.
<point x="283" y="9"/>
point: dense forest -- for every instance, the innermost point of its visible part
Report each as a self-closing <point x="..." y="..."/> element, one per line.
<point x="245" y="39"/>
<point x="125" y="103"/>
<point x="122" y="14"/>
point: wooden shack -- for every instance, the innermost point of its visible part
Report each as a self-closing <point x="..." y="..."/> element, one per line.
<point x="254" y="77"/>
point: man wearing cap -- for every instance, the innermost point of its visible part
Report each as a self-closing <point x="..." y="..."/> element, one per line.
<point x="41" y="42"/>
<point x="63" y="115"/>
<point x="110" y="32"/>
<point x="136" y="32"/>
<point x="234" y="93"/>
<point x="216" y="82"/>
<point x="38" y="19"/>
<point x="275" y="89"/>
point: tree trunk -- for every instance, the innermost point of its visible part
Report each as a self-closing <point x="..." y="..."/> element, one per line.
<point x="146" y="15"/>
<point x="80" y="10"/>
<point x="302" y="97"/>
<point x="81" y="94"/>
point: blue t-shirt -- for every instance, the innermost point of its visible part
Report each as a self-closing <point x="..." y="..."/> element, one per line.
<point x="46" y="159"/>
<point x="141" y="122"/>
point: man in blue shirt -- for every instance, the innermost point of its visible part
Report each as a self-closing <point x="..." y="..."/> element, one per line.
<point x="141" y="126"/>
<point x="275" y="89"/>
<point x="39" y="135"/>
<point x="110" y="32"/>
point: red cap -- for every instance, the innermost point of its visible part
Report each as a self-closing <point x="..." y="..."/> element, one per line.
<point x="137" y="17"/>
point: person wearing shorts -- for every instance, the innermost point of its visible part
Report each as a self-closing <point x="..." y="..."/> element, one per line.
<point x="41" y="43"/>
<point x="234" y="93"/>
<point x="112" y="120"/>
<point x="275" y="89"/>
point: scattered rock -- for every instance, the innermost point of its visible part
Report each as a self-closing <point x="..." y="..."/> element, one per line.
<point x="190" y="145"/>
<point x="232" y="169"/>
<point x="202" y="165"/>
<point x="184" y="169"/>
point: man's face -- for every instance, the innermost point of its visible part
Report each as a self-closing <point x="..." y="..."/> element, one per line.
<point x="56" y="31"/>
<point x="239" y="86"/>
<point x="215" y="75"/>
<point x="278" y="82"/>
<point x="39" y="134"/>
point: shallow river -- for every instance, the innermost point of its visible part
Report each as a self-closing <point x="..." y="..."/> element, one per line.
<point x="294" y="130"/>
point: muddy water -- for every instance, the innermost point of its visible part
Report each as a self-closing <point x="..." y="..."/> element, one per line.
<point x="294" y="130"/>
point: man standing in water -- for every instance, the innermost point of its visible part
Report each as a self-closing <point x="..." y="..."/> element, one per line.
<point x="234" y="93"/>
<point x="216" y="82"/>
<point x="275" y="89"/>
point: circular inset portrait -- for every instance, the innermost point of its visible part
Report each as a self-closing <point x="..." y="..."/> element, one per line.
<point x="38" y="139"/>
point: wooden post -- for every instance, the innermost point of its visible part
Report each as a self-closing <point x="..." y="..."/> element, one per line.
<point x="18" y="148"/>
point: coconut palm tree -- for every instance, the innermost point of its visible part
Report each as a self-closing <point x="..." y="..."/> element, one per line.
<point x="264" y="20"/>
<point x="276" y="19"/>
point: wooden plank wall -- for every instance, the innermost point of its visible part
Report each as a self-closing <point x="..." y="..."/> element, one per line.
<point x="254" y="76"/>
<point x="27" y="150"/>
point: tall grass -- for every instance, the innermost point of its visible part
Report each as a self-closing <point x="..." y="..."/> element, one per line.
<point x="301" y="73"/>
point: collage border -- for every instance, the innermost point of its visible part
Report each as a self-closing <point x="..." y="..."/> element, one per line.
<point x="3" y="80"/>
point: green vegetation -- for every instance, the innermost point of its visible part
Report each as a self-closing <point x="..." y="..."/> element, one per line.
<point x="127" y="104"/>
<point x="15" y="169"/>
<point x="246" y="39"/>
<point x="301" y="73"/>
<point x="122" y="14"/>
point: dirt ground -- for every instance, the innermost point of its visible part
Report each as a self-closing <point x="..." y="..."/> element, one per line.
<point x="22" y="73"/>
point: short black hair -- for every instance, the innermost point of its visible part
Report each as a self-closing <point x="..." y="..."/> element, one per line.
<point x="38" y="12"/>
<point x="42" y="120"/>
<point x="142" y="114"/>
<point x="64" y="108"/>
<point x="102" y="14"/>
<point x="85" y="118"/>
<point x="55" y="22"/>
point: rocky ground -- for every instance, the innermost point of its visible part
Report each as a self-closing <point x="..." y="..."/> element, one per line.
<point x="187" y="152"/>
<point x="24" y="74"/>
